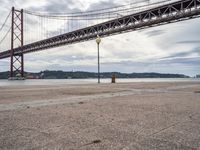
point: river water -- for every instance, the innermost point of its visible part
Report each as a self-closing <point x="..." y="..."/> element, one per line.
<point x="91" y="81"/>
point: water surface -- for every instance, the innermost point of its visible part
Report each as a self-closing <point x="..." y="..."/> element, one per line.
<point x="91" y="81"/>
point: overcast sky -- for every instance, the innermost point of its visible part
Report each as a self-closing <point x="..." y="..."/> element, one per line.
<point x="172" y="48"/>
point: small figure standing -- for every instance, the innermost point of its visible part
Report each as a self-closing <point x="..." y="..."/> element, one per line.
<point x="113" y="78"/>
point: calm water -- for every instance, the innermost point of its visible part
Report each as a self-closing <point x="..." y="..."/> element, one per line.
<point x="89" y="81"/>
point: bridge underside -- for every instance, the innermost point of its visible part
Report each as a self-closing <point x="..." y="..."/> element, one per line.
<point x="174" y="12"/>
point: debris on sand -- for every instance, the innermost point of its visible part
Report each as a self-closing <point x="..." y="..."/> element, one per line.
<point x="93" y="142"/>
<point x="81" y="103"/>
<point x="96" y="141"/>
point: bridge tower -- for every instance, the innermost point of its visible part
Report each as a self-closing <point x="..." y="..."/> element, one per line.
<point x="17" y="40"/>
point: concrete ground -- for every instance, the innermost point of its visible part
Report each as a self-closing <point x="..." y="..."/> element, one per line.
<point x="125" y="116"/>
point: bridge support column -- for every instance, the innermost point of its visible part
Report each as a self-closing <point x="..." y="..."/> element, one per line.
<point x="17" y="40"/>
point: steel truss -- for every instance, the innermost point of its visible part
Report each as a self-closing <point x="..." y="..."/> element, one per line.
<point x="17" y="59"/>
<point x="169" y="13"/>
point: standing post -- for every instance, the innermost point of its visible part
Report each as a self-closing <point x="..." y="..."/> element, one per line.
<point x="98" y="41"/>
<point x="22" y="42"/>
<point x="12" y="44"/>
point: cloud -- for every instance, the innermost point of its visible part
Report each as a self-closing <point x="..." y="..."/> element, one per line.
<point x="155" y="33"/>
<point x="178" y="60"/>
<point x="189" y="42"/>
<point x="102" y="4"/>
<point x="185" y="54"/>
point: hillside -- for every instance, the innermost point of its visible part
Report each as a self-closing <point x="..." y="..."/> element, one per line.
<point x="84" y="75"/>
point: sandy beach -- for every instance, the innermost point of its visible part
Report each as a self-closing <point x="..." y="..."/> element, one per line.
<point x="122" y="116"/>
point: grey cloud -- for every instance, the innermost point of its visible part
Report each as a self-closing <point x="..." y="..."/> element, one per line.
<point x="184" y="54"/>
<point x="181" y="66"/>
<point x="127" y="63"/>
<point x="4" y="64"/>
<point x="184" y="61"/>
<point x="154" y="33"/>
<point x="102" y="5"/>
<point x="5" y="61"/>
<point x="181" y="54"/>
<point x="196" y="50"/>
<point x="56" y="6"/>
<point x="74" y="58"/>
<point x="61" y="6"/>
<point x="61" y="58"/>
<point x="189" y="42"/>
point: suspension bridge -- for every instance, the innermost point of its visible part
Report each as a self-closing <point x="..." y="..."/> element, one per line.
<point x="35" y="31"/>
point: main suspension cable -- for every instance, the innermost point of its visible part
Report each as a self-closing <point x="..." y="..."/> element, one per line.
<point x="81" y="12"/>
<point x="4" y="37"/>
<point x="3" y="25"/>
<point x="95" y="14"/>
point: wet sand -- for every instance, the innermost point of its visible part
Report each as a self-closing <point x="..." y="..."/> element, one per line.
<point x="125" y="116"/>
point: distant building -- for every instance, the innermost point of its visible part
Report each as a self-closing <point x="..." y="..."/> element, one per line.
<point x="41" y="75"/>
<point x="198" y="76"/>
<point x="30" y="76"/>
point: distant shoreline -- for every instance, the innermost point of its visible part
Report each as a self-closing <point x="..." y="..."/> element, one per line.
<point x="92" y="75"/>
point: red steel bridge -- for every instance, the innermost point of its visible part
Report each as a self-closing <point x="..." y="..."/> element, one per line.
<point x="116" y="20"/>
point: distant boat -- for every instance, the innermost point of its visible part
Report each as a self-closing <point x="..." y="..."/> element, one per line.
<point x="16" y="78"/>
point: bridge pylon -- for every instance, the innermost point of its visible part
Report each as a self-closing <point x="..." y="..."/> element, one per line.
<point x="17" y="41"/>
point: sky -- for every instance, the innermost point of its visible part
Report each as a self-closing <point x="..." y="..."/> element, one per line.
<point x="172" y="48"/>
